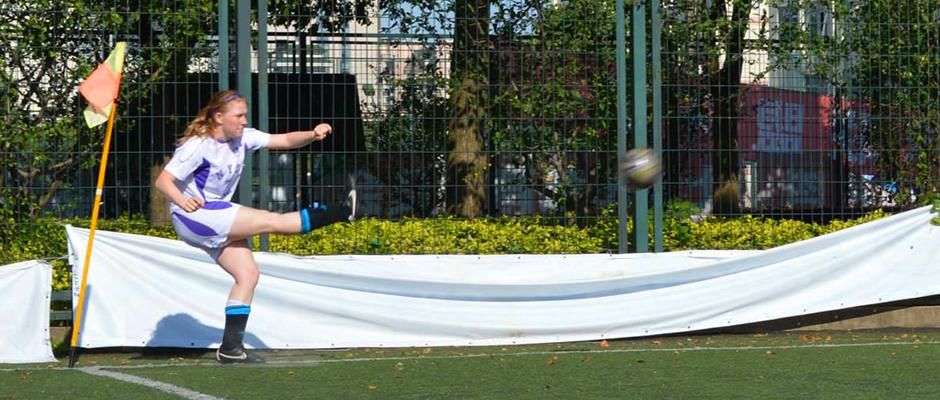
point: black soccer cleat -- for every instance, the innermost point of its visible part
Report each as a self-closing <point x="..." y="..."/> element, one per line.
<point x="236" y="356"/>
<point x="352" y="200"/>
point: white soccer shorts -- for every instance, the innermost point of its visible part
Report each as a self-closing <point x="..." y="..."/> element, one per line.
<point x="208" y="227"/>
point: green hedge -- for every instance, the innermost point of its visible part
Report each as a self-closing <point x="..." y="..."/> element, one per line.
<point x="45" y="237"/>
<point x="681" y="232"/>
<point x="441" y="236"/>
<point x="749" y="232"/>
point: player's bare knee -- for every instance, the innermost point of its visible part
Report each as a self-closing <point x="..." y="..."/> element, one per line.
<point x="247" y="274"/>
<point x="248" y="278"/>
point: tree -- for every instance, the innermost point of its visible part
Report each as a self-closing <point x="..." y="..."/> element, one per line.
<point x="703" y="50"/>
<point x="724" y="83"/>
<point x="406" y="147"/>
<point x="543" y="78"/>
<point x="466" y="160"/>
<point x="49" y="47"/>
<point x="554" y="102"/>
<point x="878" y="60"/>
<point x="469" y="23"/>
<point x="892" y="58"/>
<point x="32" y="106"/>
<point x="312" y="15"/>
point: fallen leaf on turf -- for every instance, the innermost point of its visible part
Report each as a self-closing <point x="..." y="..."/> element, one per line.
<point x="551" y="361"/>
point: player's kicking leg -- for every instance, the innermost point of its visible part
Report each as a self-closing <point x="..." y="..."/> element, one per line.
<point x="250" y="221"/>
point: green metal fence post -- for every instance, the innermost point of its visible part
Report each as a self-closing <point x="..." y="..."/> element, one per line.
<point x="621" y="123"/>
<point x="243" y="48"/>
<point x="223" y="45"/>
<point x="264" y="163"/>
<point x="641" y="196"/>
<point x="657" y="124"/>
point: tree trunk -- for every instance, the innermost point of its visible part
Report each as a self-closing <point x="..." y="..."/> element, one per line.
<point x="466" y="159"/>
<point x="726" y="90"/>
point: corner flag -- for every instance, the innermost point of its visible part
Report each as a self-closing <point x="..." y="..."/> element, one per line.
<point x="101" y="87"/>
<point x="101" y="90"/>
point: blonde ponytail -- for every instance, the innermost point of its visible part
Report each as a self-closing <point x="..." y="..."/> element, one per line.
<point x="203" y="124"/>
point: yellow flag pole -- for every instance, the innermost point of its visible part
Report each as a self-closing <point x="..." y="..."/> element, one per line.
<point x="77" y="325"/>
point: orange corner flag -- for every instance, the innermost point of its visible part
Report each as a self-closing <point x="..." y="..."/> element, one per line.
<point x="101" y="87"/>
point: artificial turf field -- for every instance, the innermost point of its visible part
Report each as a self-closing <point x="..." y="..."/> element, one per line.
<point x="884" y="364"/>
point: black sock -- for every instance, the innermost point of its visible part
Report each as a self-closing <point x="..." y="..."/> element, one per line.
<point x="319" y="215"/>
<point x="236" y="319"/>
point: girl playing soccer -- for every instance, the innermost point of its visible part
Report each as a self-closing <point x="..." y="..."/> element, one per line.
<point x="198" y="183"/>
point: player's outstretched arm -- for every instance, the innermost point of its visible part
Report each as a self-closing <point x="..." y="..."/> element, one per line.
<point x="293" y="140"/>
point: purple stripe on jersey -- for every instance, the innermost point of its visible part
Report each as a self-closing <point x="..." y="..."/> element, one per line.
<point x="195" y="227"/>
<point x="201" y="175"/>
<point x="216" y="205"/>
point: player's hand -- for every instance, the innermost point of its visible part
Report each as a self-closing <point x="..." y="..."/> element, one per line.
<point x="320" y="132"/>
<point x="191" y="204"/>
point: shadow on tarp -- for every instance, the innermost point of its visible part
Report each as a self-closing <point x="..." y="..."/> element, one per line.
<point x="181" y="335"/>
<point x="182" y="330"/>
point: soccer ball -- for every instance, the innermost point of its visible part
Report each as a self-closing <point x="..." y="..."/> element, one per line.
<point x="640" y="168"/>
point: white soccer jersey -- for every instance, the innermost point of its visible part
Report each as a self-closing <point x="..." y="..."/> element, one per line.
<point x="208" y="169"/>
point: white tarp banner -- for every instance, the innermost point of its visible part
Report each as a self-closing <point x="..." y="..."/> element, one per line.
<point x="25" y="288"/>
<point x="145" y="291"/>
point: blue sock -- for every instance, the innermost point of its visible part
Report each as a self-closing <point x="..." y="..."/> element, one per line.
<point x="319" y="215"/>
<point x="305" y="221"/>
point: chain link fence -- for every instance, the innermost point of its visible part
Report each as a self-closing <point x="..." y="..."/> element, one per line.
<point x="797" y="109"/>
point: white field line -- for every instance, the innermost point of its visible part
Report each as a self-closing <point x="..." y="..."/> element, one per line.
<point x="161" y="386"/>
